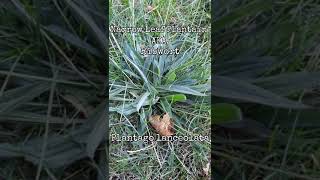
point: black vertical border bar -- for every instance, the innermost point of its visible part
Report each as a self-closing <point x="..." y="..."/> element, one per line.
<point x="107" y="94"/>
<point x="212" y="88"/>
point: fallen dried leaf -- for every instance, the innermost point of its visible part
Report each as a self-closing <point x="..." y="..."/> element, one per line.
<point x="164" y="125"/>
<point x="150" y="8"/>
<point x="206" y="169"/>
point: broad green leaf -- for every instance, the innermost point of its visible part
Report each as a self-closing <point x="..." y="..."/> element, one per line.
<point x="176" y="98"/>
<point x="171" y="77"/>
<point x="226" y="113"/>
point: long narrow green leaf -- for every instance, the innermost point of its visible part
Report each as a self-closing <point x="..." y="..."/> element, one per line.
<point x="287" y="83"/>
<point x="241" y="90"/>
<point x="9" y="151"/>
<point x="98" y="132"/>
<point x="19" y="98"/>
<point x="96" y="31"/>
<point x="72" y="39"/>
<point x="182" y="89"/>
<point x="27" y="117"/>
<point x="142" y="100"/>
<point x="242" y="12"/>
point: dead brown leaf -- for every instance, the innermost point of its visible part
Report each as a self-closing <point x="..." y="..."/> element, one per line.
<point x="206" y="169"/>
<point x="150" y="8"/>
<point x="164" y="125"/>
